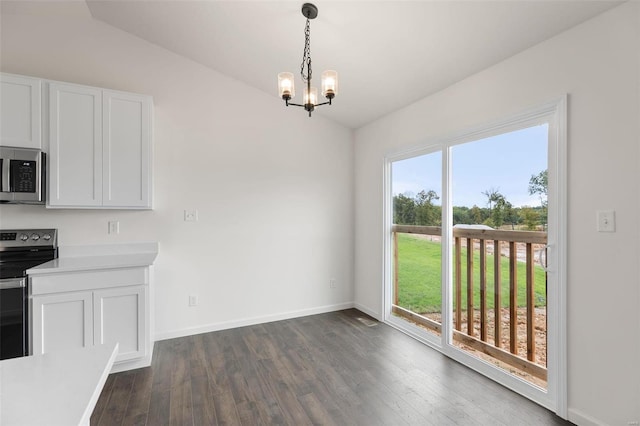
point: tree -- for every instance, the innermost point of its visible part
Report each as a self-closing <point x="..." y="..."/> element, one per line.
<point x="461" y="215"/>
<point x="510" y="215"/>
<point x="493" y="195"/>
<point x="426" y="212"/>
<point x="475" y="214"/>
<point x="404" y="210"/>
<point x="530" y="217"/>
<point x="498" y="212"/>
<point x="538" y="184"/>
<point x="426" y="197"/>
<point x="499" y="208"/>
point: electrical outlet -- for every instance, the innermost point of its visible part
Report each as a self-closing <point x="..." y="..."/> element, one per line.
<point x="193" y="300"/>
<point x="114" y="227"/>
<point x="191" y="215"/>
<point x="606" y="221"/>
<point x="332" y="283"/>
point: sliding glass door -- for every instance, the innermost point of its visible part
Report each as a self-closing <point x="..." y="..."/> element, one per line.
<point x="474" y="249"/>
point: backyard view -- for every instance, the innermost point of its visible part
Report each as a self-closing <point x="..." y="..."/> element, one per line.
<point x="498" y="248"/>
<point x="419" y="263"/>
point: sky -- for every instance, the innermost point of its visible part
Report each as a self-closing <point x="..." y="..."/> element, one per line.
<point x="505" y="162"/>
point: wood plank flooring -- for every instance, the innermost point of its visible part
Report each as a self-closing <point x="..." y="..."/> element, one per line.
<point x="340" y="368"/>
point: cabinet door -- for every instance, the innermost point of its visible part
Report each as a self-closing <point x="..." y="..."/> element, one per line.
<point x="120" y="317"/>
<point x="126" y="149"/>
<point x="62" y="321"/>
<point x="75" y="144"/>
<point x="20" y="119"/>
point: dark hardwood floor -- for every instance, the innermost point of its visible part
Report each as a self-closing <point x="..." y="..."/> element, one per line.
<point x="340" y="368"/>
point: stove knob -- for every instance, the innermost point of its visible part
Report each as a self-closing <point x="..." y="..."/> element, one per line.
<point x="46" y="237"/>
<point x="24" y="237"/>
<point x="35" y="237"/>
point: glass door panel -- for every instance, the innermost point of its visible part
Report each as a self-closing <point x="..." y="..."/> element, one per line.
<point x="416" y="185"/>
<point x="499" y="283"/>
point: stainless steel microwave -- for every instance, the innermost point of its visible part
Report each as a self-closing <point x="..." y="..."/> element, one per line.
<point x="23" y="176"/>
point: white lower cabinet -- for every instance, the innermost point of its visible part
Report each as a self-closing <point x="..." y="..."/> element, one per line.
<point x="62" y="321"/>
<point x="119" y="317"/>
<point x="111" y="307"/>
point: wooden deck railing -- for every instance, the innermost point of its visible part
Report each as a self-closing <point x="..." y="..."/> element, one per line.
<point x="467" y="335"/>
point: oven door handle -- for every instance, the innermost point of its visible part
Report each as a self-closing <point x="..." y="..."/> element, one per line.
<point x="13" y="283"/>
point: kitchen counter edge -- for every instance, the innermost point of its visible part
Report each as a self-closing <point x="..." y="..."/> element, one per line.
<point x="93" y="257"/>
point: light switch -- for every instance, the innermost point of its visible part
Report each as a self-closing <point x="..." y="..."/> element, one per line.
<point x="606" y="221"/>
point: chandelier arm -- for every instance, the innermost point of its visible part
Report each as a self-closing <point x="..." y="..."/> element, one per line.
<point x="300" y="105"/>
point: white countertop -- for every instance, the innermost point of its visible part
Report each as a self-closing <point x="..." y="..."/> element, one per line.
<point x="54" y="389"/>
<point x="92" y="257"/>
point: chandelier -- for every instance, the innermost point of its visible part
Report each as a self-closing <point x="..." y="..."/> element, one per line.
<point x="329" y="78"/>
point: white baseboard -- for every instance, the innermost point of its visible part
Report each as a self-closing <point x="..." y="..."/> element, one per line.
<point x="582" y="419"/>
<point x="368" y="311"/>
<point x="133" y="364"/>
<point x="225" y="325"/>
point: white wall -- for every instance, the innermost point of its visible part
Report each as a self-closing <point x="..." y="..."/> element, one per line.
<point x="273" y="187"/>
<point x="598" y="65"/>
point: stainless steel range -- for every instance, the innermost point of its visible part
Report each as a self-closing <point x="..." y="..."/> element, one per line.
<point x="20" y="250"/>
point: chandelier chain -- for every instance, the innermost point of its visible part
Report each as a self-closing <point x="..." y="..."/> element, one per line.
<point x="306" y="56"/>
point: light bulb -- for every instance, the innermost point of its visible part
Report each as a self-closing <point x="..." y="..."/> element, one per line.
<point x="311" y="98"/>
<point x="286" y="87"/>
<point x="329" y="84"/>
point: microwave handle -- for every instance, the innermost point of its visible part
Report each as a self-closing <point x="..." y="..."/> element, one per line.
<point x="6" y="174"/>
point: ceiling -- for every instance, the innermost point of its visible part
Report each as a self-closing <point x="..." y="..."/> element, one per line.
<point x="388" y="53"/>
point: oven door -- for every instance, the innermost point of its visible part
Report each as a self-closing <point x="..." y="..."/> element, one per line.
<point x="14" y="297"/>
<point x="13" y="318"/>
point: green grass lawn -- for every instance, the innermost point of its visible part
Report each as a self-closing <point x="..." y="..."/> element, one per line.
<point x="420" y="277"/>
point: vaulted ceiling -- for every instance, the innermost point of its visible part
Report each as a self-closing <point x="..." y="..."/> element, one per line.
<point x="388" y="53"/>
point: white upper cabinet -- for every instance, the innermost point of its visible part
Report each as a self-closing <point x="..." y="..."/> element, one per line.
<point x="75" y="145"/>
<point x="100" y="148"/>
<point x="126" y="144"/>
<point x="20" y="111"/>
